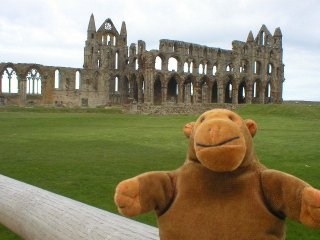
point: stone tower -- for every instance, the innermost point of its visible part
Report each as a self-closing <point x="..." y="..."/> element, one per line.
<point x="105" y="52"/>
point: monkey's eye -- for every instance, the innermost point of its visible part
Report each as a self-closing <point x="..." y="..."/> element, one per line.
<point x="202" y="119"/>
<point x="231" y="118"/>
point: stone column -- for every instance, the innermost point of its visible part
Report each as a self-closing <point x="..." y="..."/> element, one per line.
<point x="131" y="89"/>
<point x="262" y="94"/>
<point x="221" y="91"/>
<point x="22" y="90"/>
<point x="149" y="86"/>
<point x="248" y="93"/>
<point x="164" y="92"/>
<point x="187" y="94"/>
<point x="204" y="91"/>
<point x="196" y="90"/>
<point x="180" y="93"/>
<point x="234" y="94"/>
<point x="180" y="67"/>
<point x="140" y="93"/>
<point x="209" y="91"/>
<point x="1" y="83"/>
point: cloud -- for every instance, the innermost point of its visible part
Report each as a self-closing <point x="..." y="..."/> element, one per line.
<point x="301" y="74"/>
<point x="53" y="32"/>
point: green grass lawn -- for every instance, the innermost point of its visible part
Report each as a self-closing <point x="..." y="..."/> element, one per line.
<point x="83" y="155"/>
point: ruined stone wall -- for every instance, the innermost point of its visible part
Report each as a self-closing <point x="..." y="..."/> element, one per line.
<point x="91" y="92"/>
<point x="179" y="73"/>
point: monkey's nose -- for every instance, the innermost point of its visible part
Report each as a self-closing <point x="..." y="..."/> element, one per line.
<point x="214" y="132"/>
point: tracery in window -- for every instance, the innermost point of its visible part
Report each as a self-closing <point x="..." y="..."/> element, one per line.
<point x="34" y="82"/>
<point x="9" y="83"/>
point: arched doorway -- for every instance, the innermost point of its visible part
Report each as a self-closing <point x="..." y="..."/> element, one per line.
<point x="204" y="93"/>
<point x="228" y="92"/>
<point x="172" y="94"/>
<point x="142" y="89"/>
<point x="256" y="87"/>
<point x="268" y="93"/>
<point x="214" y="92"/>
<point x="242" y="93"/>
<point x="134" y="88"/>
<point x="188" y="90"/>
<point x="157" y="95"/>
<point x="126" y="90"/>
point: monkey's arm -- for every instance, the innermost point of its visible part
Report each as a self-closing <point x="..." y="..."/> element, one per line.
<point x="290" y="196"/>
<point x="144" y="193"/>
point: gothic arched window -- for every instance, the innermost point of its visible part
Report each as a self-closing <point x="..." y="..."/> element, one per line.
<point x="9" y="83"/>
<point x="34" y="82"/>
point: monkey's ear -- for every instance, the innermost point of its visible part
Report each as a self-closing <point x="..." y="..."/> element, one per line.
<point x="252" y="126"/>
<point x="187" y="129"/>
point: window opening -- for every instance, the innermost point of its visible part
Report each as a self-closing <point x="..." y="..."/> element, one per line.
<point x="172" y="64"/>
<point x="269" y="69"/>
<point x="158" y="63"/>
<point x="34" y="82"/>
<point x="9" y="83"/>
<point x="77" y="84"/>
<point x="191" y="89"/>
<point x="116" y="60"/>
<point x="116" y="84"/>
<point x="56" y="78"/>
<point x="254" y="89"/>
<point x="185" y="67"/>
<point x="214" y="70"/>
<point x="200" y="68"/>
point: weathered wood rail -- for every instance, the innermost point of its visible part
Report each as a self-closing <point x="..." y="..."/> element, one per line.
<point x="37" y="214"/>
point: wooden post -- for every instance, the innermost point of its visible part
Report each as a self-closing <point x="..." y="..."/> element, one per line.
<point x="37" y="214"/>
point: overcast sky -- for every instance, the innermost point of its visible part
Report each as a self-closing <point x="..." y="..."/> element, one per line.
<point x="53" y="32"/>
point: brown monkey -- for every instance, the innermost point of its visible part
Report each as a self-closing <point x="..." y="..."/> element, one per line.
<point x="222" y="191"/>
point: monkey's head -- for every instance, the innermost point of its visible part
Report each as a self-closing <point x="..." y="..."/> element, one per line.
<point x="221" y="140"/>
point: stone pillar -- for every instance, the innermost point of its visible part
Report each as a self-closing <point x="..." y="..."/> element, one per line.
<point x="209" y="92"/>
<point x="22" y="90"/>
<point x="195" y="69"/>
<point x="204" y="91"/>
<point x="249" y="93"/>
<point x="140" y="93"/>
<point x="149" y="86"/>
<point x="180" y="93"/>
<point x="106" y="88"/>
<point x="1" y="83"/>
<point x="131" y="89"/>
<point x="164" y="91"/>
<point x="221" y="91"/>
<point x="234" y="94"/>
<point x="187" y="94"/>
<point x="164" y="65"/>
<point x="262" y="94"/>
<point x="196" y="90"/>
<point x="180" y="67"/>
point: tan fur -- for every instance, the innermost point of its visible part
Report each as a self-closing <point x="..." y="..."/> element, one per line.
<point x="222" y="191"/>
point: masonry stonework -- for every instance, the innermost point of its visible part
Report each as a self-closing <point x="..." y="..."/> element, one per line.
<point x="179" y="73"/>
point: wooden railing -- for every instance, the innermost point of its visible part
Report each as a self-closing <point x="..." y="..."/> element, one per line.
<point x="37" y="214"/>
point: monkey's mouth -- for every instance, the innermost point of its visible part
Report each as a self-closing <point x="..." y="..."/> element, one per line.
<point x="217" y="144"/>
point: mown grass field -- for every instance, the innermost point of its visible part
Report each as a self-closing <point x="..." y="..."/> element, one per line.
<point x="84" y="154"/>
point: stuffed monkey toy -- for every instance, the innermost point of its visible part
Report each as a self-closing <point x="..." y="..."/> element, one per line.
<point x="221" y="191"/>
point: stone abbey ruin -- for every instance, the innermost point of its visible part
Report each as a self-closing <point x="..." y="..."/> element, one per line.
<point x="178" y="74"/>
